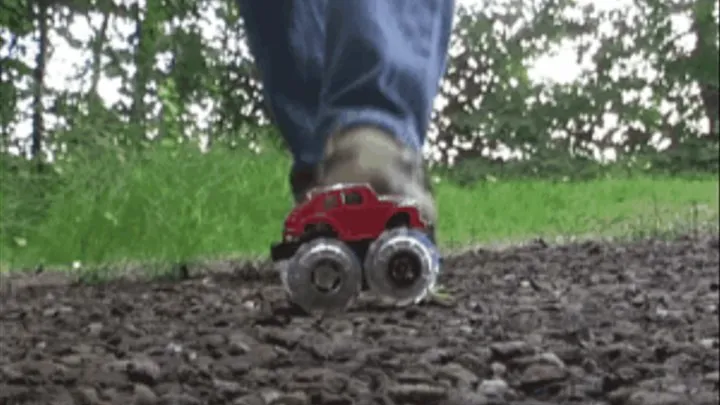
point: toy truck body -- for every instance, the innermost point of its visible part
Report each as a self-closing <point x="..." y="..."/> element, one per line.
<point x="352" y="213"/>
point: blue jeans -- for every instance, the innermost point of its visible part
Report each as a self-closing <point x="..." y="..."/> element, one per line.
<point x="332" y="64"/>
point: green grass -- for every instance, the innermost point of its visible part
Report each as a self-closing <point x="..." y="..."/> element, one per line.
<point x="520" y="209"/>
<point x="175" y="205"/>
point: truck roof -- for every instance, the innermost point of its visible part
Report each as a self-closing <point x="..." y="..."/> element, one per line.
<point x="395" y="199"/>
<point x="343" y="186"/>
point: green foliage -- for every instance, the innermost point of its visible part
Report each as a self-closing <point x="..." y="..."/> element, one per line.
<point x="174" y="204"/>
<point x="491" y="102"/>
<point x="502" y="108"/>
<point x="647" y="94"/>
<point x="692" y="160"/>
<point x="24" y="198"/>
<point x="170" y="202"/>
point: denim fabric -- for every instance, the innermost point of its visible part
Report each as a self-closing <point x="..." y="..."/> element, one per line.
<point x="328" y="65"/>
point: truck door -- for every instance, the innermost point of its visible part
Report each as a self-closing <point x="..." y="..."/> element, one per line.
<point x="361" y="215"/>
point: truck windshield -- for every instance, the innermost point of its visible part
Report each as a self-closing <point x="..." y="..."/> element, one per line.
<point x="353" y="198"/>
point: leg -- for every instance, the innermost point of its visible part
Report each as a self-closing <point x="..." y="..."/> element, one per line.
<point x="383" y="64"/>
<point x="287" y="40"/>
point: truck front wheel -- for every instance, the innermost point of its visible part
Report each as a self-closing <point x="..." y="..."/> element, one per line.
<point x="324" y="275"/>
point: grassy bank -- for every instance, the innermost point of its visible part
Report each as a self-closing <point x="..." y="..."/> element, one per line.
<point x="176" y="205"/>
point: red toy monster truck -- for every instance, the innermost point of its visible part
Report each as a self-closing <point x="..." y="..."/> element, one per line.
<point x="345" y="237"/>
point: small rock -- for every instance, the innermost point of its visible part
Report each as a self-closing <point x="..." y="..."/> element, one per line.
<point x="461" y="376"/>
<point x="213" y="341"/>
<point x="269" y="396"/>
<point x="320" y="347"/>
<point x="543" y="358"/>
<point x="620" y="350"/>
<point x="656" y="398"/>
<point x="310" y="374"/>
<point x="82" y="348"/>
<point x="498" y="369"/>
<point x="262" y="355"/>
<point x="550" y="358"/>
<point x="661" y="384"/>
<point x="297" y="398"/>
<point x="239" y="343"/>
<point x="179" y="399"/>
<point x="58" y="395"/>
<point x="71" y="360"/>
<point x="252" y="399"/>
<point x="436" y="355"/>
<point x="54" y="311"/>
<point x="705" y="398"/>
<point x="345" y="349"/>
<point x="589" y="386"/>
<point x="713" y="377"/>
<point x="229" y="388"/>
<point x="414" y="378"/>
<point x="12" y="373"/>
<point x="173" y="348"/>
<point x="250" y="305"/>
<point x="417" y="393"/>
<point x="627" y="375"/>
<point x="619" y="395"/>
<point x="281" y="337"/>
<point x="576" y="372"/>
<point x="467" y="398"/>
<point x="143" y="370"/>
<point x="143" y="395"/>
<point x="541" y="374"/>
<point x="472" y="362"/>
<point x="638" y="300"/>
<point x="34" y="372"/>
<point x="494" y="388"/>
<point x="709" y="343"/>
<point x="510" y="349"/>
<point x="95" y="328"/>
<point x="333" y="399"/>
<point x="116" y="365"/>
<point x="88" y="396"/>
<point x="483" y="354"/>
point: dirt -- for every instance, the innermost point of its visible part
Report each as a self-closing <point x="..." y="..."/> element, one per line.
<point x="590" y="323"/>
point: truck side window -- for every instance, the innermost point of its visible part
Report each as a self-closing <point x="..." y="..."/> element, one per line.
<point x="353" y="198"/>
<point x="330" y="202"/>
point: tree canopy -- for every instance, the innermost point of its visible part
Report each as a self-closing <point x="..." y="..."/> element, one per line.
<point x="648" y="79"/>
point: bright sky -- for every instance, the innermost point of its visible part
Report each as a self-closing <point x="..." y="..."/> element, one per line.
<point x="66" y="61"/>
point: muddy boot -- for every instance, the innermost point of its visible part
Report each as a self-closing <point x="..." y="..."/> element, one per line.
<point x="369" y="155"/>
<point x="302" y="181"/>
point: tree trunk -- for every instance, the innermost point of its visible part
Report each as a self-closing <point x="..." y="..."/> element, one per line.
<point x="97" y="48"/>
<point x="704" y="55"/>
<point x="39" y="82"/>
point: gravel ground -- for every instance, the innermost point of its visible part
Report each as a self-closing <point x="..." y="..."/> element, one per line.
<point x="589" y="323"/>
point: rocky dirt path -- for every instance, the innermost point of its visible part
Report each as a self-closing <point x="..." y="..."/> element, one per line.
<point x="591" y="323"/>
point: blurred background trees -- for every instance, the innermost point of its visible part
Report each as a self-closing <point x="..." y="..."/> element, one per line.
<point x="81" y="74"/>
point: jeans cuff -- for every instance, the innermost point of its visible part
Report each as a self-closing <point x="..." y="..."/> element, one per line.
<point x="402" y="130"/>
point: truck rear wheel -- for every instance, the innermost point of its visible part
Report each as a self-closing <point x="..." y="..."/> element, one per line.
<point x="402" y="265"/>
